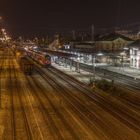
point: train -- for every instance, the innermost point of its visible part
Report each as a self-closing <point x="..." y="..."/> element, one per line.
<point x="26" y="65"/>
<point x="40" y="57"/>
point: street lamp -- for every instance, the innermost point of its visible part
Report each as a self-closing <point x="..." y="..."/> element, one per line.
<point x="5" y="36"/>
<point x="0" y="78"/>
<point x="122" y="60"/>
<point x="93" y="78"/>
<point x="93" y="64"/>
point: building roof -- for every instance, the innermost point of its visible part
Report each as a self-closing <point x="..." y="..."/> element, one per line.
<point x="85" y="43"/>
<point x="135" y="44"/>
<point x="113" y="36"/>
<point x="58" y="53"/>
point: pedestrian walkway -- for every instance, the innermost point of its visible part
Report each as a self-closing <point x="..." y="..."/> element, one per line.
<point x="128" y="71"/>
<point x="131" y="72"/>
<point x="81" y="75"/>
<point x="85" y="76"/>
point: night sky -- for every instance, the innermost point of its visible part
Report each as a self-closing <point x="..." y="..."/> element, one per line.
<point x="42" y="17"/>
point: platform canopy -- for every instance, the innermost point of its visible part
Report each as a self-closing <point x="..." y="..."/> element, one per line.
<point x="59" y="53"/>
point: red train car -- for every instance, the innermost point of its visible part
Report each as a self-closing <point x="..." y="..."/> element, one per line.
<point x="40" y="57"/>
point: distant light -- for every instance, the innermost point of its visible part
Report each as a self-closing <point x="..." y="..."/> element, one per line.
<point x="26" y="48"/>
<point x="122" y="53"/>
<point x="78" y="58"/>
<point x="67" y="46"/>
<point x="99" y="54"/>
<point x="35" y="47"/>
<point x="3" y="30"/>
<point x="125" y="48"/>
<point x="135" y="49"/>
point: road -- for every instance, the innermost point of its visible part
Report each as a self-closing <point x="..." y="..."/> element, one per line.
<point x="48" y="105"/>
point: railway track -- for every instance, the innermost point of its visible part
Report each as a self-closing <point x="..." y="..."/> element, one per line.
<point x="103" y="100"/>
<point x="74" y="109"/>
<point x="52" y="119"/>
<point x="20" y="127"/>
<point x="132" y="88"/>
<point x="130" y="84"/>
<point x="46" y="115"/>
<point x="68" y="111"/>
<point x="123" y="116"/>
<point x="120" y="78"/>
<point x="132" y="97"/>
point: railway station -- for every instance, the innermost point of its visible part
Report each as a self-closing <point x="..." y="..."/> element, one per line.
<point x="69" y="70"/>
<point x="54" y="97"/>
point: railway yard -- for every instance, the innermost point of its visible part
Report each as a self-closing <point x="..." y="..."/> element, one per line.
<point x="49" y="105"/>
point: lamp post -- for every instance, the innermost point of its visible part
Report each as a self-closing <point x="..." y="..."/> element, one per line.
<point x="122" y="60"/>
<point x="92" y="79"/>
<point x="0" y="91"/>
<point x="94" y="56"/>
<point x="0" y="77"/>
<point x="93" y="64"/>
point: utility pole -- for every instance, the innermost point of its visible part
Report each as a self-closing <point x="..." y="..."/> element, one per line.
<point x="93" y="54"/>
<point x="0" y="72"/>
<point x="73" y="35"/>
<point x="92" y="33"/>
<point x="0" y="91"/>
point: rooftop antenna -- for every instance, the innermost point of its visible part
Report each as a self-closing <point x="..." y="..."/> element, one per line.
<point x="92" y="32"/>
<point x="73" y="35"/>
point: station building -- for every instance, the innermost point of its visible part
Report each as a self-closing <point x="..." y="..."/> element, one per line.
<point x="107" y="48"/>
<point x="135" y="54"/>
<point x="112" y="42"/>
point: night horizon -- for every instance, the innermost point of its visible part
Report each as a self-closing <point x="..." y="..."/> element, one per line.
<point x="42" y="18"/>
